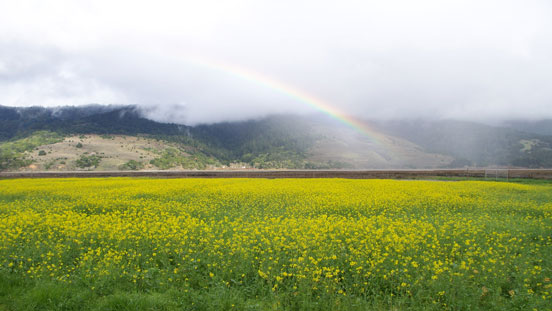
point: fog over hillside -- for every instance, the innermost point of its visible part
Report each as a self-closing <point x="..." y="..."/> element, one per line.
<point x="211" y="61"/>
<point x="278" y="141"/>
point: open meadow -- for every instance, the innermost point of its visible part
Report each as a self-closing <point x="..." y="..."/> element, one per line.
<point x="274" y="244"/>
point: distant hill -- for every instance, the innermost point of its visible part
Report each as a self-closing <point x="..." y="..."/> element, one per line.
<point x="75" y="120"/>
<point x="281" y="141"/>
<point x="541" y="127"/>
<point x="475" y="144"/>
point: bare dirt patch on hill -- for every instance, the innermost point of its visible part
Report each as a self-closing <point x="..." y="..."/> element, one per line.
<point x="114" y="151"/>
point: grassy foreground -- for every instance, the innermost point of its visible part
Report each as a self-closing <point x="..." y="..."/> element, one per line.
<point x="253" y="244"/>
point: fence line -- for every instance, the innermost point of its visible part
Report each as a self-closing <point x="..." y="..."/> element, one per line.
<point x="358" y="174"/>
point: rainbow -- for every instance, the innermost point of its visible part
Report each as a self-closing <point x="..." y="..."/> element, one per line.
<point x="292" y="92"/>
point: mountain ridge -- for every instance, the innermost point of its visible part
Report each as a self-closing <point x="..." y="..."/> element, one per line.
<point x="287" y="141"/>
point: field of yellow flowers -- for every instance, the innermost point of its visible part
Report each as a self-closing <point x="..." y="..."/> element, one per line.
<point x="283" y="244"/>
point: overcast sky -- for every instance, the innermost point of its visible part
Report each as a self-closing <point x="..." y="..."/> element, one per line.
<point x="372" y="59"/>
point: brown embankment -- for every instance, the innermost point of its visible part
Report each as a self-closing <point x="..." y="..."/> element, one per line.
<point x="357" y="174"/>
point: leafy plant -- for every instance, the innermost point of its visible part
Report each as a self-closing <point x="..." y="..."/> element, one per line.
<point x="88" y="161"/>
<point x="132" y="165"/>
<point x="172" y="157"/>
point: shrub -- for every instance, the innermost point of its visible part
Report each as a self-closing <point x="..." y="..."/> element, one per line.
<point x="88" y="161"/>
<point x="132" y="165"/>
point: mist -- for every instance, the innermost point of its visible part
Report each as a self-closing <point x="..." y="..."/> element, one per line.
<point x="466" y="60"/>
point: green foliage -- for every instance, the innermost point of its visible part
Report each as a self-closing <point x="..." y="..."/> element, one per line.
<point x="132" y="165"/>
<point x="328" y="165"/>
<point x="279" y="159"/>
<point x="79" y="145"/>
<point x="88" y="161"/>
<point x="270" y="143"/>
<point x="48" y="165"/>
<point x="266" y="143"/>
<point x="12" y="152"/>
<point x="42" y="153"/>
<point x="539" y="155"/>
<point x="172" y="157"/>
<point x="473" y="144"/>
<point x="275" y="142"/>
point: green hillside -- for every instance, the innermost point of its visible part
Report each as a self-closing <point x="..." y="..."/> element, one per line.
<point x="281" y="141"/>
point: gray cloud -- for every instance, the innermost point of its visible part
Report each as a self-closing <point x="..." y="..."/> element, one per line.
<point x="373" y="59"/>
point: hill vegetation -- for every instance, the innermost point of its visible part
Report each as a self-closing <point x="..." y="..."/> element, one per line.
<point x="12" y="153"/>
<point x="282" y="141"/>
<point x="474" y="144"/>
